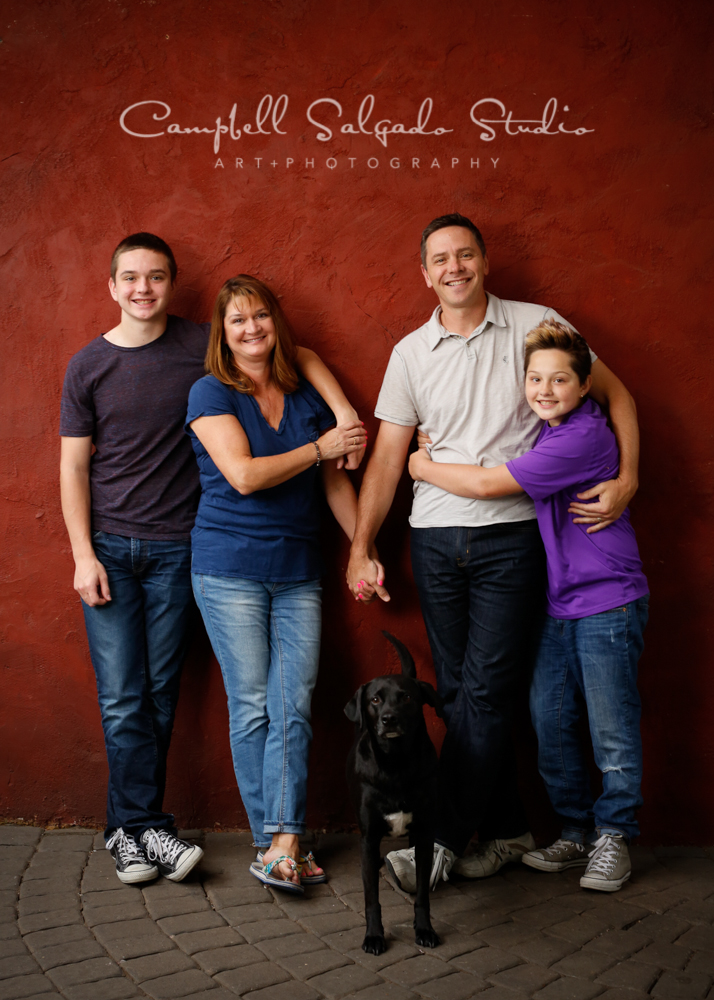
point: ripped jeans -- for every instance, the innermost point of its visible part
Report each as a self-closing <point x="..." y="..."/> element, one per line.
<point x="591" y="664"/>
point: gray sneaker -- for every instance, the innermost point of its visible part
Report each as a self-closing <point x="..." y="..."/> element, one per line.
<point x="492" y="855"/>
<point x="402" y="867"/>
<point x="609" y="865"/>
<point x="556" y="858"/>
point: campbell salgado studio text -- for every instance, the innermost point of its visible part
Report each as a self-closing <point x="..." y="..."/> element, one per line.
<point x="488" y="114"/>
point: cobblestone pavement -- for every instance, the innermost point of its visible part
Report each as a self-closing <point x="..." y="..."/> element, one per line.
<point x="69" y="928"/>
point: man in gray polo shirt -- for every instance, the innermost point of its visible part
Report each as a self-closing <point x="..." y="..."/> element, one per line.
<point x="478" y="565"/>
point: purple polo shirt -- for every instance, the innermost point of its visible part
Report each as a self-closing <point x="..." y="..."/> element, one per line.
<point x="587" y="574"/>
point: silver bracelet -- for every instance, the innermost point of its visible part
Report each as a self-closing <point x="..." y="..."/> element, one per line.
<point x="317" y="449"/>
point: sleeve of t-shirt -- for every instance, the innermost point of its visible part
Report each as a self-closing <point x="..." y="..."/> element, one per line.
<point x="209" y="398"/>
<point x="325" y="416"/>
<point x="552" y="314"/>
<point x="556" y="462"/>
<point x="77" y="416"/>
<point x="396" y="402"/>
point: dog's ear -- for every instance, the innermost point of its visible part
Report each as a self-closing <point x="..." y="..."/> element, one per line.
<point x="431" y="697"/>
<point x="353" y="708"/>
<point x="407" y="661"/>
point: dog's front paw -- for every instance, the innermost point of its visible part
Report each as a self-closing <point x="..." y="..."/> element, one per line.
<point x="374" y="944"/>
<point x="427" y="938"/>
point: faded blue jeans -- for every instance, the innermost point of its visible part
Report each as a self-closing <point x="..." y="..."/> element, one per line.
<point x="591" y="663"/>
<point x="266" y="637"/>
<point x="137" y="643"/>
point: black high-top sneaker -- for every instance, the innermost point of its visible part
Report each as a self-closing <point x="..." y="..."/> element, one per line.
<point x="173" y="857"/>
<point x="130" y="857"/>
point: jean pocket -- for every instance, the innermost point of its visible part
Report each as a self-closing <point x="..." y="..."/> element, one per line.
<point x="96" y="535"/>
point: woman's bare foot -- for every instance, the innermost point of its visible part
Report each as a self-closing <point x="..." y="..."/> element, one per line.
<point x="284" y="844"/>
<point x="310" y="866"/>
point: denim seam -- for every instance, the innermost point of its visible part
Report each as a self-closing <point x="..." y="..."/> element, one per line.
<point x="283" y="782"/>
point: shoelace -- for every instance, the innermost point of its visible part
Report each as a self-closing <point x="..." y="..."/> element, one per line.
<point x="559" y="845"/>
<point x="441" y="865"/>
<point x="161" y="846"/>
<point x="604" y="857"/>
<point x="127" y="848"/>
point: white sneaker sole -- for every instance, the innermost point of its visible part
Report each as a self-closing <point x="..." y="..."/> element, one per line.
<point x="604" y="885"/>
<point x="189" y="862"/>
<point x="129" y="878"/>
<point x="553" y="866"/>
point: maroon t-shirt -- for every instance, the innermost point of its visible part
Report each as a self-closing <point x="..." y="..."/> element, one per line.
<point x="133" y="401"/>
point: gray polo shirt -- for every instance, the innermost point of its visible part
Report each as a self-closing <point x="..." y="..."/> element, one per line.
<point x="467" y="394"/>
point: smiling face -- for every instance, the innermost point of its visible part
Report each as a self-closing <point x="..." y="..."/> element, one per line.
<point x="455" y="267"/>
<point x="142" y="285"/>
<point x="249" y="331"/>
<point x="552" y="387"/>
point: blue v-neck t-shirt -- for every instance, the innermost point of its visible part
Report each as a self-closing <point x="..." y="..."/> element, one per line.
<point x="273" y="534"/>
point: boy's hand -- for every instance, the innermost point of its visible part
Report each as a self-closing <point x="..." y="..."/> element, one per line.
<point x="418" y="462"/>
<point x="423" y="440"/>
<point x="91" y="581"/>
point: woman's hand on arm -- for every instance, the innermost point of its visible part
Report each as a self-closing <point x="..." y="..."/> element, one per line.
<point x="226" y="442"/>
<point x="90" y="577"/>
<point x="319" y="375"/>
<point x="614" y="494"/>
<point x="472" y="481"/>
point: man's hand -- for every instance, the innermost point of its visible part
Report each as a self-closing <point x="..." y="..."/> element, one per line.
<point x="613" y="496"/>
<point x="91" y="582"/>
<point x="365" y="578"/>
<point x="418" y="461"/>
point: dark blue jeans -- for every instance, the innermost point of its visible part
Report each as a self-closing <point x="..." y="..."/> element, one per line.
<point x="482" y="592"/>
<point x="137" y="642"/>
<point x="591" y="663"/>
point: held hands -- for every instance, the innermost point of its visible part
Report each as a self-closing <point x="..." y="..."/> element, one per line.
<point x="349" y="439"/>
<point x="613" y="496"/>
<point x="91" y="581"/>
<point x="365" y="577"/>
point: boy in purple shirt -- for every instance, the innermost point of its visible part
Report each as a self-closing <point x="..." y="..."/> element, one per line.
<point x="597" y="603"/>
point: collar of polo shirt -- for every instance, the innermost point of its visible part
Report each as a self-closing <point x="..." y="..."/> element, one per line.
<point x="494" y="314"/>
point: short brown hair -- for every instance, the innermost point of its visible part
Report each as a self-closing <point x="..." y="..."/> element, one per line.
<point x="144" y="241"/>
<point x="552" y="336"/>
<point x="443" y="222"/>
<point x="219" y="357"/>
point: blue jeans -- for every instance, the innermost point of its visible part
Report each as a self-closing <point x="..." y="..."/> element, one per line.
<point x="137" y="643"/>
<point x="591" y="663"/>
<point x="266" y="637"/>
<point x="481" y="592"/>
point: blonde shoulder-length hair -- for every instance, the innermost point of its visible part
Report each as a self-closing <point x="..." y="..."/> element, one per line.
<point x="219" y="357"/>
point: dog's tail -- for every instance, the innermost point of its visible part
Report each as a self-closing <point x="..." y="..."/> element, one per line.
<point x="405" y="657"/>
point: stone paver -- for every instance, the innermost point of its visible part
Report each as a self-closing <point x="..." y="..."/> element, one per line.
<point x="69" y="928"/>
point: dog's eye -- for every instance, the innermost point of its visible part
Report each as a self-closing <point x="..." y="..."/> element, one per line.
<point x="376" y="700"/>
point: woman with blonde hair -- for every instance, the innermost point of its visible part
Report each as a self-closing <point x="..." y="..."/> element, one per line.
<point x="261" y="433"/>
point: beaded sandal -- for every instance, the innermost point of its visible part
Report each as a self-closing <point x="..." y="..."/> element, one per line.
<point x="263" y="874"/>
<point x="304" y="861"/>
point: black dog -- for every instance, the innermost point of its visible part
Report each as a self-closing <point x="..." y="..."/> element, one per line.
<point x="391" y="773"/>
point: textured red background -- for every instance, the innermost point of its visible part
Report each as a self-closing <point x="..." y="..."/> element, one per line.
<point x="612" y="228"/>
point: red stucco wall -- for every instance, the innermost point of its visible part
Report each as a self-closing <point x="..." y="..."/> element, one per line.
<point x="611" y="227"/>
